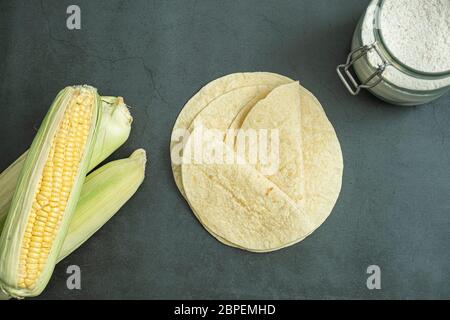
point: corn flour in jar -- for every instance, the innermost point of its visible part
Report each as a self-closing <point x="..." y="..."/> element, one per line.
<point x="401" y="51"/>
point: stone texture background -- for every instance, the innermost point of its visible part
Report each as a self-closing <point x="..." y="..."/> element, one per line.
<point x="394" y="210"/>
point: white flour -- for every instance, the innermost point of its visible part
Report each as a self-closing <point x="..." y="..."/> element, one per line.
<point x="417" y="32"/>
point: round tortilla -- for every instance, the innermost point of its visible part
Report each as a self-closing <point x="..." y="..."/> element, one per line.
<point x="323" y="168"/>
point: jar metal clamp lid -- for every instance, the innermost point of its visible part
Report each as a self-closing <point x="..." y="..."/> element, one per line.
<point x="347" y="77"/>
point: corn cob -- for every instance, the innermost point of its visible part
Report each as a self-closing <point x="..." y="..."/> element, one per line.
<point x="114" y="130"/>
<point x="47" y="192"/>
<point x="104" y="192"/>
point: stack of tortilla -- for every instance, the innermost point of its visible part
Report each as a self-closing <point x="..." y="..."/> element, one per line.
<point x="239" y="203"/>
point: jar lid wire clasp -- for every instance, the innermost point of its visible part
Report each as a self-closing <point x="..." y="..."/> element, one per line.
<point x="343" y="70"/>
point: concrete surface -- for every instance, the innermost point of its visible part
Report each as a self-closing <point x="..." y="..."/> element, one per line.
<point x="394" y="209"/>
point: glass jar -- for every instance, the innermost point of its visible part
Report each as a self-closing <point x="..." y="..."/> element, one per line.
<point x="379" y="71"/>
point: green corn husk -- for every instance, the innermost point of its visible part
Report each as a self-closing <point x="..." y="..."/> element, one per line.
<point x="114" y="130"/>
<point x="8" y="183"/>
<point x="14" y="240"/>
<point x="104" y="192"/>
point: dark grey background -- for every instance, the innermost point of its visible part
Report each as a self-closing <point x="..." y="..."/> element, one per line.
<point x="394" y="209"/>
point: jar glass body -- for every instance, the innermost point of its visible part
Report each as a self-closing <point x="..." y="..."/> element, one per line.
<point x="384" y="89"/>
